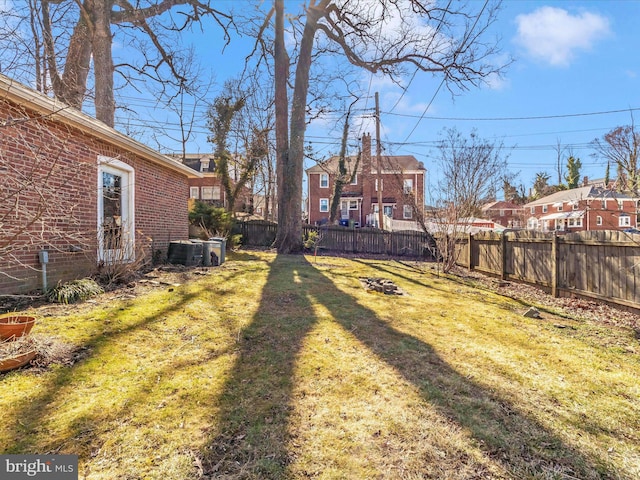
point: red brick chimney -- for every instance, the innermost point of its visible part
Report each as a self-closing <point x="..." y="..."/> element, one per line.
<point x="366" y="153"/>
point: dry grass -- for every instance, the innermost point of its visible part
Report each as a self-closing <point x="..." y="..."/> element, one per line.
<point x="278" y="367"/>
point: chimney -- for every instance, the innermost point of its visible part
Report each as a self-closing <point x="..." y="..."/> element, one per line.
<point x="585" y="181"/>
<point x="366" y="153"/>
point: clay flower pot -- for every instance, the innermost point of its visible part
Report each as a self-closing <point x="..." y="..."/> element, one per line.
<point x="16" y="361"/>
<point x="13" y="326"/>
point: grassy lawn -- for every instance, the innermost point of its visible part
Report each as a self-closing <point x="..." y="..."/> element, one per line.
<point x="284" y="367"/>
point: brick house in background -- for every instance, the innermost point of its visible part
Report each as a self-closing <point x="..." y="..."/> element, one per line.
<point x="507" y="214"/>
<point x="583" y="208"/>
<point x="208" y="186"/>
<point x="96" y="196"/>
<point x="401" y="184"/>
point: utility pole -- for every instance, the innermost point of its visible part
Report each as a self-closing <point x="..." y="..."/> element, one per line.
<point x="379" y="166"/>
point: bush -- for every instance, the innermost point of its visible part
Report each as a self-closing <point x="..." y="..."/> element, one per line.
<point x="74" y="291"/>
<point x="215" y="221"/>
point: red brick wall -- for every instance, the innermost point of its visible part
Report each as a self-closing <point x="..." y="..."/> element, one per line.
<point x="65" y="164"/>
<point x="593" y="208"/>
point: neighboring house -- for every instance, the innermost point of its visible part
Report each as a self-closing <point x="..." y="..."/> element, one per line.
<point x="208" y="187"/>
<point x="507" y="214"/>
<point x="401" y="183"/>
<point x="93" y="194"/>
<point x="583" y="208"/>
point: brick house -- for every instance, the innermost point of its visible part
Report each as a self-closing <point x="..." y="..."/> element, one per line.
<point x="506" y="214"/>
<point x="80" y="191"/>
<point x="208" y="187"/>
<point x="583" y="208"/>
<point x="401" y="184"/>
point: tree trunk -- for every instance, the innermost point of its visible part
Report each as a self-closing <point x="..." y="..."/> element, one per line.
<point x="289" y="238"/>
<point x="71" y="86"/>
<point x="281" y="60"/>
<point x="103" y="62"/>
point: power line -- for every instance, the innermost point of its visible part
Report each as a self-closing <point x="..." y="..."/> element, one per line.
<point x="509" y="119"/>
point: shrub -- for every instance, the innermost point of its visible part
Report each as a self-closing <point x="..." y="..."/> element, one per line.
<point x="215" y="221"/>
<point x="74" y="291"/>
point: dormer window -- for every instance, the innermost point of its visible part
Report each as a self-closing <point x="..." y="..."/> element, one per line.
<point x="204" y="165"/>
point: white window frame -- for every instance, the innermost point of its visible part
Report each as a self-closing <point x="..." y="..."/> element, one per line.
<point x="324" y="205"/>
<point x="532" y="210"/>
<point x="560" y="208"/>
<point x="407" y="212"/>
<point x="355" y="179"/>
<point x="624" y="221"/>
<point x="575" y="223"/>
<point x="210" y="192"/>
<point x="545" y="208"/>
<point x="127" y="220"/>
<point x="353" y="205"/>
<point x="324" y="180"/>
<point x="598" y="220"/>
<point x="407" y="186"/>
<point x="502" y="213"/>
<point x="194" y="192"/>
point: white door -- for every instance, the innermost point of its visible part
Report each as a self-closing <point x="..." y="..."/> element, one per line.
<point x="116" y="225"/>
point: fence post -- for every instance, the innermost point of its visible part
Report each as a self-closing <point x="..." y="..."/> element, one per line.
<point x="554" y="266"/>
<point x="503" y="266"/>
<point x="470" y="251"/>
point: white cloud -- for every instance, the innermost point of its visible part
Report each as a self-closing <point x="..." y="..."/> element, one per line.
<point x="554" y="35"/>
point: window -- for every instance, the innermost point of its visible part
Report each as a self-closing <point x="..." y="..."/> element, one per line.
<point x="560" y="207"/>
<point x="211" y="193"/>
<point x="354" y="181"/>
<point x="204" y="165"/>
<point x="533" y="210"/>
<point x="624" y="221"/>
<point x="604" y="204"/>
<point x="575" y="206"/>
<point x="598" y="220"/>
<point x="620" y="205"/>
<point x="502" y="213"/>
<point x="353" y="205"/>
<point x="324" y="204"/>
<point x="544" y="208"/>
<point x="324" y="180"/>
<point x="407" y="211"/>
<point x="381" y="184"/>
<point x="194" y="192"/>
<point x="575" y="222"/>
<point x="408" y="186"/>
<point x="388" y="210"/>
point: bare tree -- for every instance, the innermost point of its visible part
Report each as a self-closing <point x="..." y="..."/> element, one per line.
<point x="432" y="37"/>
<point x="621" y="147"/>
<point x="73" y="44"/>
<point x="470" y="167"/>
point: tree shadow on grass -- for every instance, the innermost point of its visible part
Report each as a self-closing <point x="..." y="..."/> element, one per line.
<point x="27" y="418"/>
<point x="252" y="436"/>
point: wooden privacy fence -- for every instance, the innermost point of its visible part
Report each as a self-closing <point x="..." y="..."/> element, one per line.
<point x="345" y="240"/>
<point x="601" y="265"/>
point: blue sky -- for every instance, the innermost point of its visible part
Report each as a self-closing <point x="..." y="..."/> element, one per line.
<point x="573" y="61"/>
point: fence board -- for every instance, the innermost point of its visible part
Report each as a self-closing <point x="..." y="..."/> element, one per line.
<point x="600" y="265"/>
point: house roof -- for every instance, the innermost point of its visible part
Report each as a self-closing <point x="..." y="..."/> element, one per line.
<point x="389" y="163"/>
<point x="564" y="215"/>
<point x="54" y="109"/>
<point x="581" y="193"/>
<point x="501" y="205"/>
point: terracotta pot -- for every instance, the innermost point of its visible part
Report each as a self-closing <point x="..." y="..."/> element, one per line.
<point x="14" y="326"/>
<point x="16" y="361"/>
